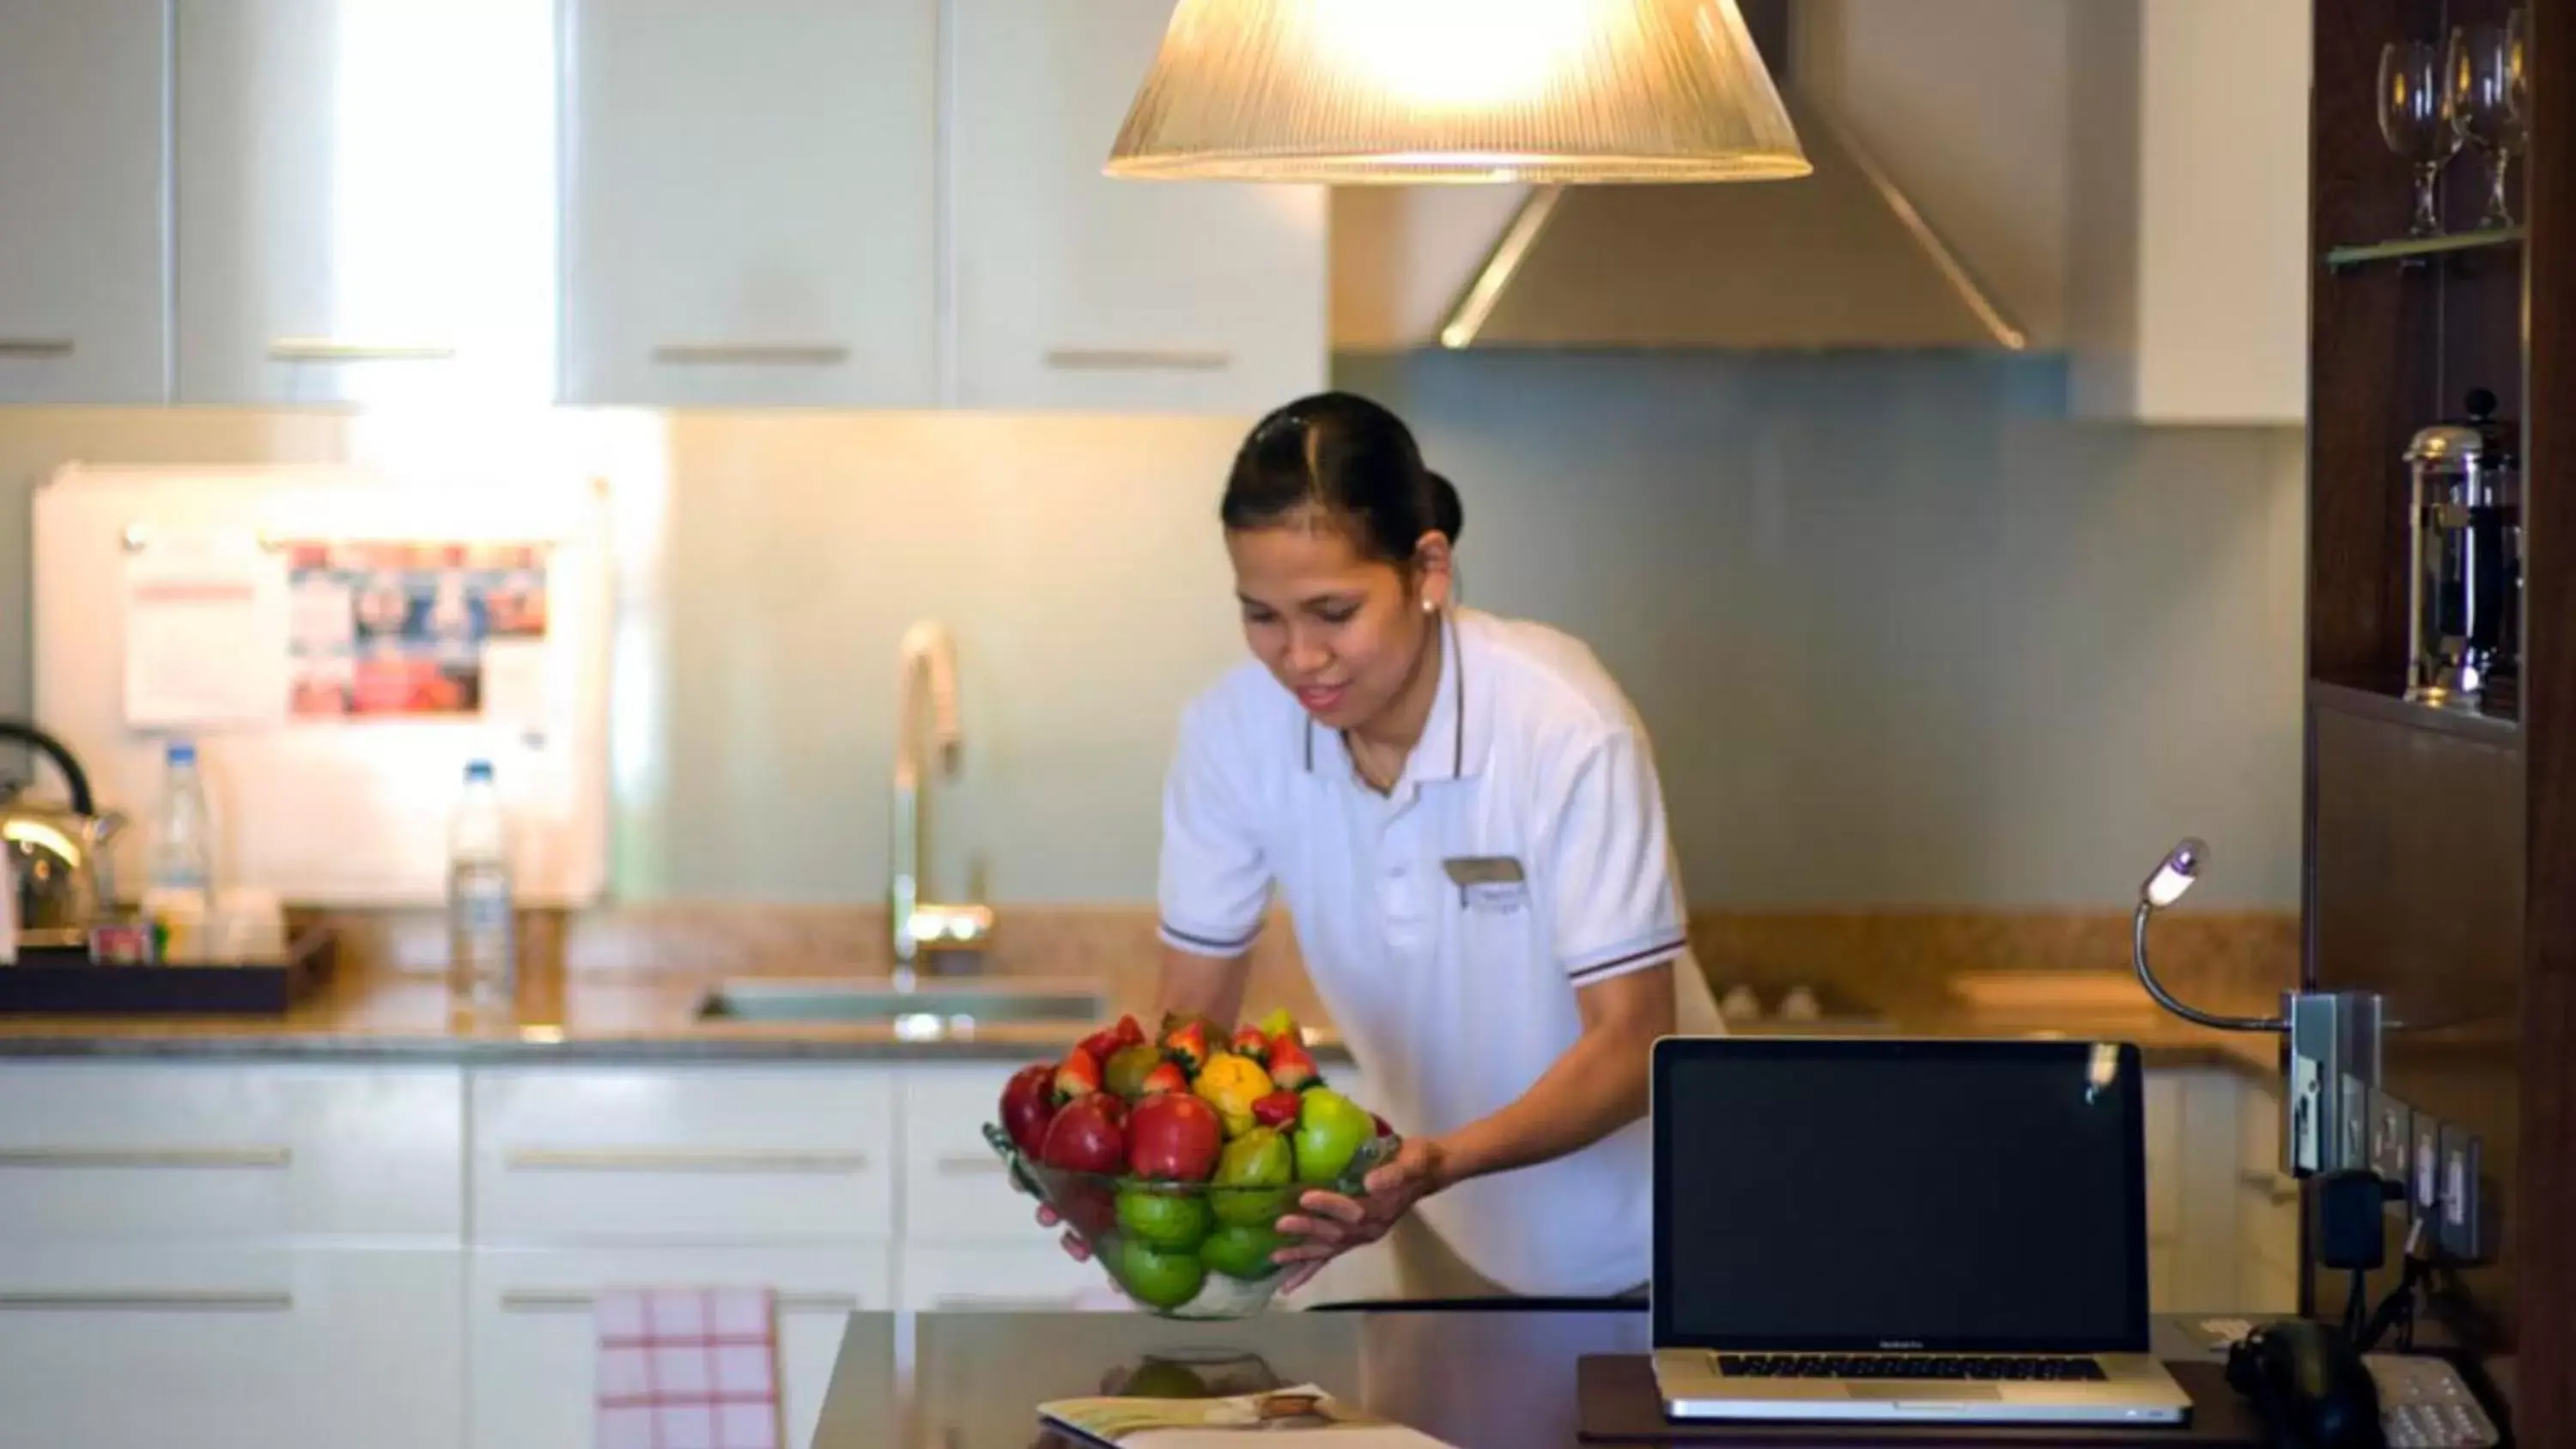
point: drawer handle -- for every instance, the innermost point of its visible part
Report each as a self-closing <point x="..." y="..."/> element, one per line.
<point x="198" y="1157"/>
<point x="970" y="1164"/>
<point x="534" y="1300"/>
<point x="771" y="354"/>
<point x="746" y="1159"/>
<point x="1136" y="359"/>
<point x="35" y="347"/>
<point x="330" y="349"/>
<point x="149" y="1300"/>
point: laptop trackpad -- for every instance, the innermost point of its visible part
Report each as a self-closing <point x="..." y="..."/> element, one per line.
<point x="1918" y="1391"/>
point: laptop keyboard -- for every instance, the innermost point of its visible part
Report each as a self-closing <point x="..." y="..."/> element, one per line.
<point x="1906" y="1366"/>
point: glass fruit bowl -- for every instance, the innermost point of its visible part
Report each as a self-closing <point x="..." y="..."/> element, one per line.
<point x="1182" y="1249"/>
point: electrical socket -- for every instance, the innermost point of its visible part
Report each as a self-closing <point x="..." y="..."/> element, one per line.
<point x="2352" y="1115"/>
<point x="2463" y="1228"/>
<point x="2392" y="1140"/>
<point x="2424" y="1183"/>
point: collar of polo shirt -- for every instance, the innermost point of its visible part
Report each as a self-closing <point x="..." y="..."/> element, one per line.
<point x="1455" y="734"/>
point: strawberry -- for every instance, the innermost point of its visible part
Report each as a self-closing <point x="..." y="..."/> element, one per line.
<point x="1290" y="1066"/>
<point x="1249" y="1042"/>
<point x="1277" y="1109"/>
<point x="1165" y="1077"/>
<point x="1383" y="1130"/>
<point x="1101" y="1045"/>
<point x="1078" y="1075"/>
<point x="1130" y="1032"/>
<point x="1188" y="1046"/>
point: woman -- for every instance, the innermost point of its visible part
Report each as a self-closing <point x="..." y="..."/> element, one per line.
<point x="1462" y="816"/>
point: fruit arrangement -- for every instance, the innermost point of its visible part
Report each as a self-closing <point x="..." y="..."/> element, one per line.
<point x="1173" y="1156"/>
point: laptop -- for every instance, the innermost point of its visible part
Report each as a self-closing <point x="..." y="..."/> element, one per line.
<point x="1898" y="1230"/>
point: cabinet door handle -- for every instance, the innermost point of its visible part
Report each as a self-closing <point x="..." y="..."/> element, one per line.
<point x="755" y="354"/>
<point x="740" y="1159"/>
<point x="1137" y="359"/>
<point x="148" y="1300"/>
<point x="332" y="349"/>
<point x="969" y="1164"/>
<point x="124" y="1157"/>
<point x="35" y="347"/>
<point x="543" y="1300"/>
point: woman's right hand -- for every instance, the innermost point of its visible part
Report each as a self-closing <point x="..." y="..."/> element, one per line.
<point x="1073" y="1245"/>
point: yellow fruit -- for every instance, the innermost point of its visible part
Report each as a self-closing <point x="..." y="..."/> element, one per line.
<point x="1231" y="1084"/>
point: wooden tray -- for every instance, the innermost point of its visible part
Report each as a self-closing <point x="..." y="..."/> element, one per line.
<point x="64" y="981"/>
<point x="1616" y="1403"/>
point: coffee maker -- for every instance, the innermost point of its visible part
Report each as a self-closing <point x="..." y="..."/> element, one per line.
<point x="2464" y="583"/>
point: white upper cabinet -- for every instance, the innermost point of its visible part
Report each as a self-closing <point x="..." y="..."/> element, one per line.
<point x="1075" y="291"/>
<point x="751" y="202"/>
<point x="84" y="289"/>
<point x="2188" y="279"/>
<point x="366" y="201"/>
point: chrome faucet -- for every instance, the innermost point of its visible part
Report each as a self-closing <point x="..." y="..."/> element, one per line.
<point x="925" y="929"/>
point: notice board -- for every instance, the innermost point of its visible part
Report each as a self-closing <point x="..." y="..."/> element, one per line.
<point x="338" y="644"/>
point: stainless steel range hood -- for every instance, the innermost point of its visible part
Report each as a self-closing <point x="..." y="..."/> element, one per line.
<point x="1839" y="259"/>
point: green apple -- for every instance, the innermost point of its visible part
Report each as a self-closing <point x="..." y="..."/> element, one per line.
<point x="1242" y="1250"/>
<point x="1159" y="1277"/>
<point x="1175" y="1220"/>
<point x="1260" y="1158"/>
<point x="1331" y="1129"/>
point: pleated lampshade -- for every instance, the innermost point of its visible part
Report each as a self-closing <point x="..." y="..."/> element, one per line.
<point x="1359" y="91"/>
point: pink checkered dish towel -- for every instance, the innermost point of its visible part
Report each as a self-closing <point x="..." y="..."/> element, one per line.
<point x="687" y="1368"/>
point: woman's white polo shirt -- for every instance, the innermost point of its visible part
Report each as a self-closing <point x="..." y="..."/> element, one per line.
<point x="1449" y="924"/>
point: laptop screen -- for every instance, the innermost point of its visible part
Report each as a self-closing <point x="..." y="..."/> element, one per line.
<point x="1875" y="1194"/>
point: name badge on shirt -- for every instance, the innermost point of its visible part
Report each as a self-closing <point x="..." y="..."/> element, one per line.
<point x="1488" y="882"/>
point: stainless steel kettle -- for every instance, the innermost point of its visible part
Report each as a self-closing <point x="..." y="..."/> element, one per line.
<point x="58" y="854"/>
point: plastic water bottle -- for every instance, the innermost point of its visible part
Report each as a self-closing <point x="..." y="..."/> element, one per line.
<point x="179" y="871"/>
<point x="482" y="936"/>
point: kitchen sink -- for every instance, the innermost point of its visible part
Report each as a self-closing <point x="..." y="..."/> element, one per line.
<point x="917" y="1009"/>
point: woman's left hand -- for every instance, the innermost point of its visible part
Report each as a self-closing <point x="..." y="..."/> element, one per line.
<point x="1331" y="1224"/>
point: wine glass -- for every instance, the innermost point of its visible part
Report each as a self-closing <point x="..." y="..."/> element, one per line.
<point x="2478" y="74"/>
<point x="2415" y="119"/>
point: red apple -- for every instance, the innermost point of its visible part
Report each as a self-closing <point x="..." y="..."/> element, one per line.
<point x="1174" y="1137"/>
<point x="1085" y="1136"/>
<point x="1028" y="1104"/>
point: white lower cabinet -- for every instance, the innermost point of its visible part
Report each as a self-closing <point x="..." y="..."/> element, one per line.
<point x="137" y="1345"/>
<point x="532" y="1344"/>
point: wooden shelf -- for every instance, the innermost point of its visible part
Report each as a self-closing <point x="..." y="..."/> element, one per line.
<point x="2418" y="249"/>
<point x="2393" y="709"/>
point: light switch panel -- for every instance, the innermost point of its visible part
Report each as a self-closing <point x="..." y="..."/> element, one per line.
<point x="2307" y="1112"/>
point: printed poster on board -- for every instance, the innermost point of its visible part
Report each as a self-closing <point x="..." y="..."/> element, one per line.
<point x="417" y="630"/>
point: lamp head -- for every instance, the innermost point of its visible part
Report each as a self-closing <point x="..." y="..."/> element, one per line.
<point x="2174" y="874"/>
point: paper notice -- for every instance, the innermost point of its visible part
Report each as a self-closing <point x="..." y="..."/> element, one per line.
<point x="206" y="622"/>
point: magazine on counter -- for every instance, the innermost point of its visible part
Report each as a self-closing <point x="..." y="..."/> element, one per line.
<point x="1300" y="1414"/>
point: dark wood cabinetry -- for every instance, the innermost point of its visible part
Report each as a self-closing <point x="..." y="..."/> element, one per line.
<point x="2441" y="851"/>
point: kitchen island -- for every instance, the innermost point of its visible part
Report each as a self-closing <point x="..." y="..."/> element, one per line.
<point x="1476" y="1379"/>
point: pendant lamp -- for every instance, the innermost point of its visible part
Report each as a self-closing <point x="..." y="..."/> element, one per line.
<point x="1542" y="91"/>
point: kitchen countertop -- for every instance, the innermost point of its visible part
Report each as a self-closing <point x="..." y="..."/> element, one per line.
<point x="1477" y="1379"/>
<point x="615" y="1015"/>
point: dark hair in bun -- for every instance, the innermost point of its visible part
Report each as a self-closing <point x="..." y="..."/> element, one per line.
<point x="1349" y="459"/>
